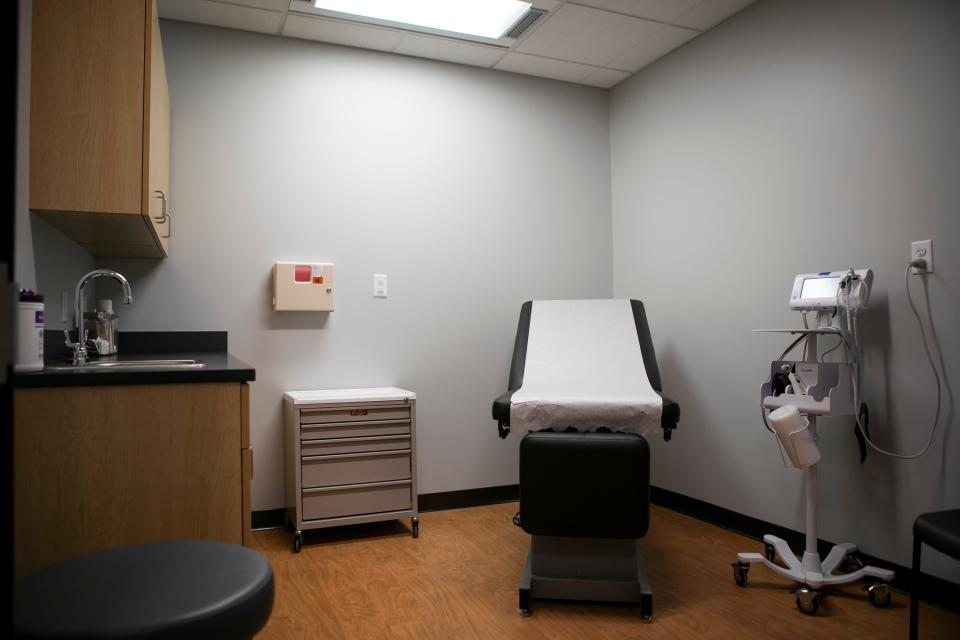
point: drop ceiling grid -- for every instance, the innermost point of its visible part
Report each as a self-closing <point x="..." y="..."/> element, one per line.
<point x="593" y="42"/>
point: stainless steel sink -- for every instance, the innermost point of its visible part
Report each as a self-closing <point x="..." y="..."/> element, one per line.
<point x="127" y="365"/>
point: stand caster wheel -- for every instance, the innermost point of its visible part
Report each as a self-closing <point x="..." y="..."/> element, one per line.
<point x="297" y="542"/>
<point x="769" y="552"/>
<point x="879" y="594"/>
<point x="415" y="526"/>
<point x="526" y="613"/>
<point x="807" y="601"/>
<point x="740" y="570"/>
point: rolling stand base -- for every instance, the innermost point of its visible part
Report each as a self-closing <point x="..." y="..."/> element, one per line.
<point x="813" y="575"/>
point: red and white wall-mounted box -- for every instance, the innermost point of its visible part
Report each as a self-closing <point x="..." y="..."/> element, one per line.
<point x="303" y="286"/>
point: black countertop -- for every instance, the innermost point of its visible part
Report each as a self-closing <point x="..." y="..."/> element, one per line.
<point x="209" y="347"/>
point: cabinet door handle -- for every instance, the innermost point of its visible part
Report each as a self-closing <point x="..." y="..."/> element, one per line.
<point x="169" y="216"/>
<point x="163" y="207"/>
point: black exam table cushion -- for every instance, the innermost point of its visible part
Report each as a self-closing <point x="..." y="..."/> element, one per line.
<point x="182" y="589"/>
<point x="585" y="485"/>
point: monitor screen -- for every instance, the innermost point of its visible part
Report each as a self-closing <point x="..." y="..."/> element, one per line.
<point x="820" y="288"/>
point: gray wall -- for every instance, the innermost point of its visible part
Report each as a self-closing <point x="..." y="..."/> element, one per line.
<point x="796" y="137"/>
<point x="472" y="190"/>
<point x="46" y="260"/>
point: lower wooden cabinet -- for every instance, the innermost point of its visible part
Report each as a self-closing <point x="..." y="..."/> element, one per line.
<point x="104" y="466"/>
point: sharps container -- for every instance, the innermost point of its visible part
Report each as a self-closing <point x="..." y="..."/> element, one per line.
<point x="29" y="332"/>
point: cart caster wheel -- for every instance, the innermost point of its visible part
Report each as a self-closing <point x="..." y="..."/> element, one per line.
<point x="415" y="526"/>
<point x="297" y="542"/>
<point x="879" y="594"/>
<point x="526" y="613"/>
<point x="287" y="524"/>
<point x="648" y="619"/>
<point x="769" y="552"/>
<point x="807" y="601"/>
<point x="740" y="570"/>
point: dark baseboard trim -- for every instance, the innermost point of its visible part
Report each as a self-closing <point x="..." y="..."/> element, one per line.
<point x="943" y="593"/>
<point x="468" y="498"/>
<point x="267" y="519"/>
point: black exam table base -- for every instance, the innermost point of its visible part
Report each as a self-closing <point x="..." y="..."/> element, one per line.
<point x="596" y="569"/>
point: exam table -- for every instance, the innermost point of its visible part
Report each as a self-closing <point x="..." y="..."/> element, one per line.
<point x="584" y="388"/>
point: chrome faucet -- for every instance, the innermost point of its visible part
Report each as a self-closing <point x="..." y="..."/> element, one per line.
<point x="80" y="346"/>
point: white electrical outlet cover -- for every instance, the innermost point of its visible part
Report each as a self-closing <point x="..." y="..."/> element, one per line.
<point x="922" y="250"/>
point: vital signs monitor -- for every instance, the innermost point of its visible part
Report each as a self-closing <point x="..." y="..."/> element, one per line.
<point x="823" y="290"/>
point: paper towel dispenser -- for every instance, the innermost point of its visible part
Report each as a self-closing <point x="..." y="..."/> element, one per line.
<point x="303" y="286"/>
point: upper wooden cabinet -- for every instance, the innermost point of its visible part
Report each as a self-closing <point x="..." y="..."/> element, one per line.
<point x="100" y="125"/>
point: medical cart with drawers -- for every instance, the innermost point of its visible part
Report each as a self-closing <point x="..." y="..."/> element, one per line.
<point x="351" y="457"/>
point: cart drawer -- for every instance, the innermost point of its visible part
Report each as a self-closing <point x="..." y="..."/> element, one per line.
<point x="354" y="430"/>
<point x="353" y="414"/>
<point x="355" y="468"/>
<point x="354" y="501"/>
<point x="354" y="445"/>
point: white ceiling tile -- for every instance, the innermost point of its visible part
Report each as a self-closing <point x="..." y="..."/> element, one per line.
<point x="659" y="44"/>
<point x="221" y="15"/>
<point x="710" y="13"/>
<point x="582" y="34"/>
<point x="270" y="5"/>
<point x="546" y="5"/>
<point x="544" y="67"/>
<point x="605" y="78"/>
<point x="662" y="10"/>
<point x="449" y="50"/>
<point x="346" y="33"/>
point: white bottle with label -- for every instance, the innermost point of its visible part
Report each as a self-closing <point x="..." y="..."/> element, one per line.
<point x="29" y="332"/>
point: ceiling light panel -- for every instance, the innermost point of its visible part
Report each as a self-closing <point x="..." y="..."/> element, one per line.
<point x="480" y="18"/>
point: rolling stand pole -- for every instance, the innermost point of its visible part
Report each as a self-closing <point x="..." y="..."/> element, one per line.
<point x="811" y="555"/>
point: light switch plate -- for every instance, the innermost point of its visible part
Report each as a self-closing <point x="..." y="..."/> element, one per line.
<point x="379" y="285"/>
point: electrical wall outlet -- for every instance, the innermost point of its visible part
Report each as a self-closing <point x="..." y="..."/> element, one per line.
<point x="379" y="285"/>
<point x="922" y="250"/>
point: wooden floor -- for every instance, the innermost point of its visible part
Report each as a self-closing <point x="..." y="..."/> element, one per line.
<point x="459" y="580"/>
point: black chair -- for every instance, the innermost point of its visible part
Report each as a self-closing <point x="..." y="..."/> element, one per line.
<point x="182" y="589"/>
<point x="940" y="530"/>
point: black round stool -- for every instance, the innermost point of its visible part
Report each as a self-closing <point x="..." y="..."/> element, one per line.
<point x="940" y="530"/>
<point x="183" y="589"/>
